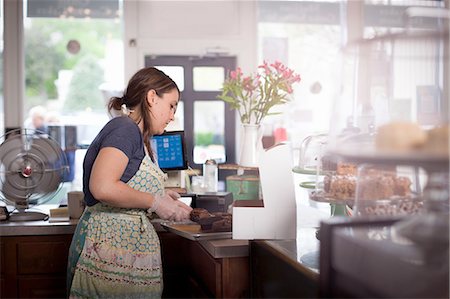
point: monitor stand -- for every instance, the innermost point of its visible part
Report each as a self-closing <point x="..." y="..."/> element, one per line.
<point x="175" y="179"/>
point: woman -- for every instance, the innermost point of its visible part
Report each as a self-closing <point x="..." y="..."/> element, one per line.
<point x="115" y="251"/>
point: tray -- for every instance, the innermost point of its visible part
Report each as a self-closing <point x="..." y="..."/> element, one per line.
<point x="430" y="161"/>
<point x="321" y="196"/>
<point x="192" y="231"/>
<point x="308" y="185"/>
<point x="309" y="170"/>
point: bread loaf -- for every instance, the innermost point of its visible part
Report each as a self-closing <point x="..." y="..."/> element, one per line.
<point x="400" y="136"/>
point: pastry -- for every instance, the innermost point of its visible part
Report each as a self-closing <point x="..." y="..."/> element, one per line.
<point x="375" y="187"/>
<point x="340" y="186"/>
<point x="329" y="163"/>
<point x="402" y="186"/>
<point x="346" y="169"/>
<point x="223" y="225"/>
<point x="207" y="220"/>
<point x="400" y="136"/>
<point x="199" y="213"/>
<point x="437" y="140"/>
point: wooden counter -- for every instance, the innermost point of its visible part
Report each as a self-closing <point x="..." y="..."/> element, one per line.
<point x="285" y="268"/>
<point x="37" y="228"/>
<point x="34" y="262"/>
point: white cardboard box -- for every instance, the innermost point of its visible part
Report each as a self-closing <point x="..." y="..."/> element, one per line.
<point x="277" y="218"/>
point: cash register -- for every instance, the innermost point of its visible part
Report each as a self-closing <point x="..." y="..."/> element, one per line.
<point x="170" y="152"/>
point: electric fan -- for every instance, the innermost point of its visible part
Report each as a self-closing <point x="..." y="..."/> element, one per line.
<point x="32" y="166"/>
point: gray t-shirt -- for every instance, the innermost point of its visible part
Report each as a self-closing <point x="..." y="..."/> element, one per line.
<point x="122" y="133"/>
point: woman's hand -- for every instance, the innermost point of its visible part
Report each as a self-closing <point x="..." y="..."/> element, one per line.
<point x="168" y="207"/>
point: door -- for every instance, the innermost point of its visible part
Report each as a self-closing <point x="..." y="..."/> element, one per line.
<point x="208" y="122"/>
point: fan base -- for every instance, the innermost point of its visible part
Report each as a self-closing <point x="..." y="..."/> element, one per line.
<point x="27" y="216"/>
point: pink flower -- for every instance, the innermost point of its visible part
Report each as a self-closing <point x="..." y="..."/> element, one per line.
<point x="287" y="74"/>
<point x="265" y="67"/>
<point x="248" y="84"/>
<point x="236" y="74"/>
<point x="254" y="95"/>
<point x="278" y="66"/>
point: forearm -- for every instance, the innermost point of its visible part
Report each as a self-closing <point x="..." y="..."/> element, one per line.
<point x="119" y="194"/>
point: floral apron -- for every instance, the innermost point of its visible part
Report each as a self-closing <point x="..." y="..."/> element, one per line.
<point x="115" y="252"/>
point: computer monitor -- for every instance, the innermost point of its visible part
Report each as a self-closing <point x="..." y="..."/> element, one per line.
<point x="170" y="150"/>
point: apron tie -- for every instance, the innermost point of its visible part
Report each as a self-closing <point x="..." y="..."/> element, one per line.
<point x="144" y="223"/>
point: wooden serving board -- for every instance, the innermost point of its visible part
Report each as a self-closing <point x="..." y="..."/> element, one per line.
<point x="193" y="231"/>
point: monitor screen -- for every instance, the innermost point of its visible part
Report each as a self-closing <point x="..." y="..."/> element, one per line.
<point x="170" y="150"/>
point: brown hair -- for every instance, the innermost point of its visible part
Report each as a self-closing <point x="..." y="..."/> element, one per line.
<point x="135" y="95"/>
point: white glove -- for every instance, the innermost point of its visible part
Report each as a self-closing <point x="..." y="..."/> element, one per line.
<point x="168" y="207"/>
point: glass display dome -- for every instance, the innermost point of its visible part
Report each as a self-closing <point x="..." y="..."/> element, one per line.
<point x="311" y="150"/>
<point x="390" y="123"/>
<point x="393" y="99"/>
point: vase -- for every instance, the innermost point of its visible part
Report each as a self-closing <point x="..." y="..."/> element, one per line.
<point x="251" y="144"/>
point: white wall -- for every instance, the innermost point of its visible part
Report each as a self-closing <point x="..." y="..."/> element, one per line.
<point x="189" y="28"/>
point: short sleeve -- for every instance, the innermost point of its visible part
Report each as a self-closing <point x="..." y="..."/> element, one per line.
<point x="125" y="137"/>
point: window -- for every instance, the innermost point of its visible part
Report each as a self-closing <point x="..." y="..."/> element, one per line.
<point x="306" y="36"/>
<point x="73" y="65"/>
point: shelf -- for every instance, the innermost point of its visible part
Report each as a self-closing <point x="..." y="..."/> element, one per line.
<point x="240" y="169"/>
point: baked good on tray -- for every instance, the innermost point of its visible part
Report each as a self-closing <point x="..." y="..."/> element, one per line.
<point x="383" y="187"/>
<point x="346" y="168"/>
<point x="340" y="186"/>
<point x="212" y="222"/>
<point x="199" y="213"/>
<point x="331" y="163"/>
<point x="223" y="225"/>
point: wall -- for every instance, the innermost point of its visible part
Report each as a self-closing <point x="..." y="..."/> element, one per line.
<point x="189" y="28"/>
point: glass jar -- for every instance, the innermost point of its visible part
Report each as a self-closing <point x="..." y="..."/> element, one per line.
<point x="210" y="175"/>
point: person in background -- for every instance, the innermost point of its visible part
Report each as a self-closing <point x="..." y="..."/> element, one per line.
<point x="115" y="251"/>
<point x="36" y="119"/>
<point x="56" y="130"/>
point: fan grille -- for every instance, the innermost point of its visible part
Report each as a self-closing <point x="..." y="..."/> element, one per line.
<point x="32" y="168"/>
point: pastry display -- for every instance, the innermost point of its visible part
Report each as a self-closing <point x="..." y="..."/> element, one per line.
<point x="382" y="191"/>
<point x="401" y="139"/>
<point x="370" y="184"/>
<point x="212" y="222"/>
